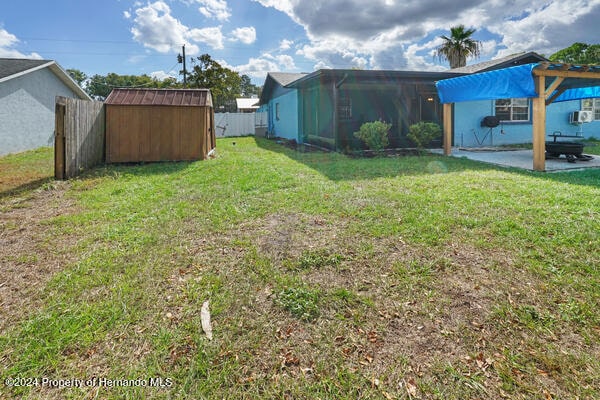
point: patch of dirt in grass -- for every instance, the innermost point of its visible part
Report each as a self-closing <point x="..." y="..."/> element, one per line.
<point x="30" y="257"/>
<point x="285" y="236"/>
<point x="439" y="312"/>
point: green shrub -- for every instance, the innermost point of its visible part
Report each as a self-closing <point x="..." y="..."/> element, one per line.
<point x="423" y="133"/>
<point x="374" y="134"/>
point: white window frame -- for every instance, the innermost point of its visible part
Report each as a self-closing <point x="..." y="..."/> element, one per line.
<point x="277" y="114"/>
<point x="592" y="105"/>
<point x="514" y="103"/>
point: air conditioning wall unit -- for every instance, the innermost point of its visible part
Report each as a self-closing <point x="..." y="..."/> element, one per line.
<point x="579" y="117"/>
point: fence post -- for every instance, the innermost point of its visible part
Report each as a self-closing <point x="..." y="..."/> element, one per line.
<point x="59" y="139"/>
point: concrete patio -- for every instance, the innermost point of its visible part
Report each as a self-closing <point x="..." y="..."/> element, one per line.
<point x="519" y="159"/>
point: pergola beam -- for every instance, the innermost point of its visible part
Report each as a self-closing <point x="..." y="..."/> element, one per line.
<point x="551" y="99"/>
<point x="565" y="74"/>
<point x="555" y="83"/>
<point x="539" y="124"/>
<point x="447" y="128"/>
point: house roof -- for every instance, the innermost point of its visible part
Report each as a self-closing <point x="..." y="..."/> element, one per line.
<point x="285" y="78"/>
<point x="371" y="77"/>
<point x="504" y="62"/>
<point x="14" y="66"/>
<point x="246" y="104"/>
<point x="11" y="68"/>
<point x="275" y="79"/>
<point x="160" y="97"/>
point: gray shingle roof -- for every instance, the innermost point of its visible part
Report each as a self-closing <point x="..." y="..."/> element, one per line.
<point x="504" y="62"/>
<point x="285" y="78"/>
<point x="12" y="66"/>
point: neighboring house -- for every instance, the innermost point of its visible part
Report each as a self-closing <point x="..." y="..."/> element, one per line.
<point x="515" y="115"/>
<point x="281" y="105"/>
<point x="247" y="105"/>
<point x="28" y="89"/>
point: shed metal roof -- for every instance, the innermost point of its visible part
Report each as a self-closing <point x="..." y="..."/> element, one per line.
<point x="160" y="97"/>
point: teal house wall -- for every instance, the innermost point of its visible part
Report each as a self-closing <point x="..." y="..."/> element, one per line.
<point x="468" y="131"/>
<point x="281" y="105"/>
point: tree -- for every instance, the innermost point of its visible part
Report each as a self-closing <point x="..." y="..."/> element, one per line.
<point x="77" y="76"/>
<point x="458" y="46"/>
<point x="99" y="86"/>
<point x="578" y="53"/>
<point x="224" y="83"/>
<point x="248" y="89"/>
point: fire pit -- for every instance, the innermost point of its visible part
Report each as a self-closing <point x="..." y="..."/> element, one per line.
<point x="573" y="151"/>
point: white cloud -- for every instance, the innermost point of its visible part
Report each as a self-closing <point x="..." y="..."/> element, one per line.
<point x="156" y="28"/>
<point x="214" y="9"/>
<point x="549" y="27"/>
<point x="257" y="67"/>
<point x="162" y="75"/>
<point x="7" y="39"/>
<point x="7" y="43"/>
<point x="285" y="44"/>
<point x="391" y="34"/>
<point x="126" y="14"/>
<point x="211" y="36"/>
<point x="246" y="35"/>
<point x="286" y="62"/>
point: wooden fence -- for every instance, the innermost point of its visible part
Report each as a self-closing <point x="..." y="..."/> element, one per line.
<point x="79" y="139"/>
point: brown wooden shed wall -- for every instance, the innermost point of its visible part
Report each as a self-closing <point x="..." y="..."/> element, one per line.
<point x="137" y="133"/>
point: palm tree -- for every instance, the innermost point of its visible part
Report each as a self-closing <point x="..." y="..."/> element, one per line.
<point x="459" y="46"/>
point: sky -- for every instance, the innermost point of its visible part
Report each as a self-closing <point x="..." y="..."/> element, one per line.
<point x="254" y="37"/>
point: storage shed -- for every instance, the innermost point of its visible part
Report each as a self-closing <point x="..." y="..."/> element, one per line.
<point x="159" y="125"/>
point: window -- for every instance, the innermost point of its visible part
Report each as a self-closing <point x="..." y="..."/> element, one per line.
<point x="592" y="105"/>
<point x="512" y="109"/>
<point x="277" y="111"/>
<point x="345" y="107"/>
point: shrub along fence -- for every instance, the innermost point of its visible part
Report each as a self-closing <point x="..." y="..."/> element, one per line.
<point x="79" y="138"/>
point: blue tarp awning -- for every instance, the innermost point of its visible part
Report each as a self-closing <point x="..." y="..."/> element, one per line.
<point x="513" y="82"/>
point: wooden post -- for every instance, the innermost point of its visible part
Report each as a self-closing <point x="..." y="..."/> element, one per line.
<point x="539" y="125"/>
<point x="59" y="139"/>
<point x="448" y="129"/>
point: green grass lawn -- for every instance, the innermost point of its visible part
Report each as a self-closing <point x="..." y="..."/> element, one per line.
<point x="23" y="171"/>
<point x="327" y="276"/>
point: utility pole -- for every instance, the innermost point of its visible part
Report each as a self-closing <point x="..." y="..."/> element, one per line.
<point x="180" y="60"/>
<point x="184" y="70"/>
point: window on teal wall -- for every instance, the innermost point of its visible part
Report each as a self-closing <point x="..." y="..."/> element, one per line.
<point x="592" y="105"/>
<point x="514" y="110"/>
<point x="277" y="111"/>
<point x="345" y="108"/>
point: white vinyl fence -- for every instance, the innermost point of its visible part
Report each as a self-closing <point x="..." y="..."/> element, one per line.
<point x="238" y="124"/>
